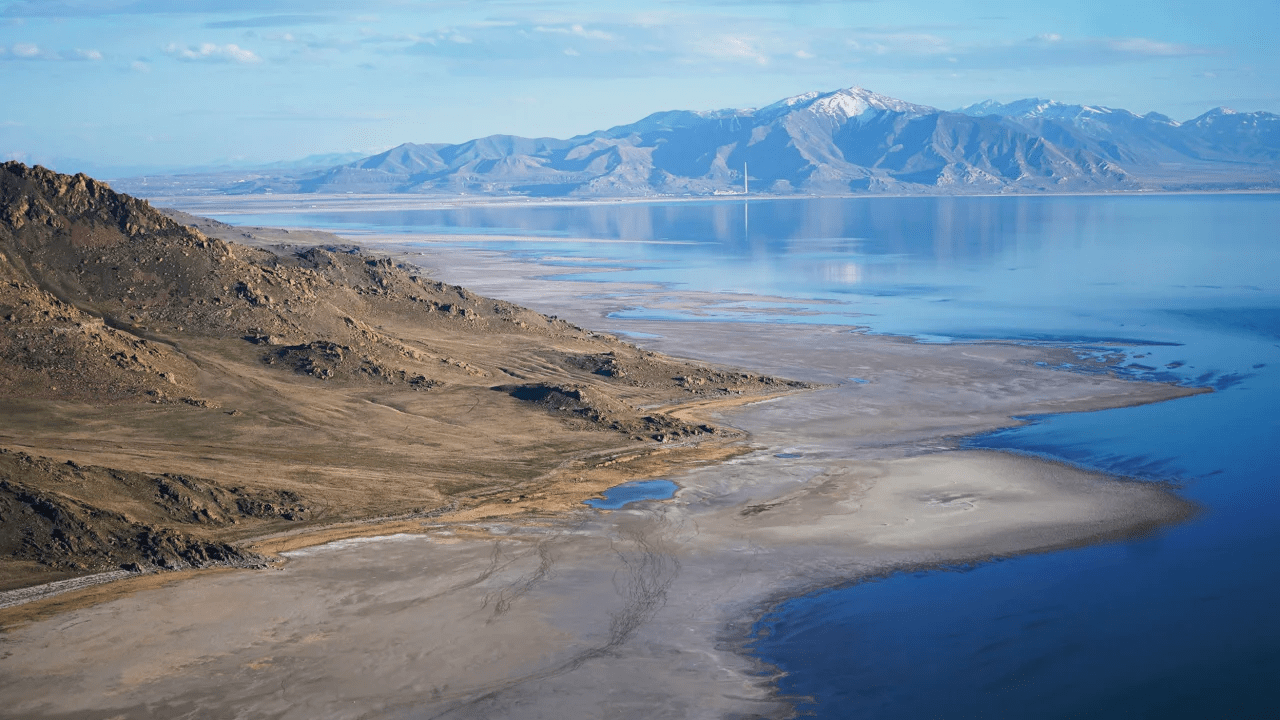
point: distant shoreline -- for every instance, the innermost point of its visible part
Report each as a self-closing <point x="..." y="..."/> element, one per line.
<point x="197" y="203"/>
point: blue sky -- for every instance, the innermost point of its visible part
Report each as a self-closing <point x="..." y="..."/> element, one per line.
<point x="108" y="86"/>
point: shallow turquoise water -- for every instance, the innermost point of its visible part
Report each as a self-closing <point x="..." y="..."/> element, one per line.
<point x="622" y="495"/>
<point x="1178" y="624"/>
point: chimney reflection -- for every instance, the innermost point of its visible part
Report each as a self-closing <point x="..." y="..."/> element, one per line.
<point x="846" y="273"/>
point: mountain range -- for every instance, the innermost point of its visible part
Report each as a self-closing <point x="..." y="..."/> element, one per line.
<point x="847" y="141"/>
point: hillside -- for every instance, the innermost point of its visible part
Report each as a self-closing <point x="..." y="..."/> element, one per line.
<point x="843" y="142"/>
<point x="167" y="395"/>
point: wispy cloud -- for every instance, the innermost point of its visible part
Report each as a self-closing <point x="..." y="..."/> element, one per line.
<point x="212" y="52"/>
<point x="640" y="44"/>
<point x="577" y="31"/>
<point x="572" y="40"/>
<point x="780" y="3"/>
<point x="102" y="8"/>
<point x="32" y="51"/>
<point x="1155" y="48"/>
<point x="925" y="50"/>
<point x="728" y="47"/>
<point x="271" y="21"/>
<point x="1055" y="49"/>
<point x="898" y="43"/>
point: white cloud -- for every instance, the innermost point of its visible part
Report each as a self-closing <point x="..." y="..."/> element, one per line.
<point x="899" y="43"/>
<point x="804" y="55"/>
<point x="209" y="51"/>
<point x="32" y="51"/>
<point x="1154" y="48"/>
<point x="915" y="50"/>
<point x="139" y="66"/>
<point x="733" y="48"/>
<point x="571" y="52"/>
<point x="576" y="30"/>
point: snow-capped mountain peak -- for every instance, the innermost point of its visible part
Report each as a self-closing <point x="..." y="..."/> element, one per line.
<point x="794" y="100"/>
<point x="844" y="104"/>
<point x="1219" y="112"/>
<point x="1034" y="108"/>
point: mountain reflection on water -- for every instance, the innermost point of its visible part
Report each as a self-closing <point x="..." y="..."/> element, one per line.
<point x="1180" y="623"/>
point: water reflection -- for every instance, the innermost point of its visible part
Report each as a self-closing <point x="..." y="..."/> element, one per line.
<point x="1076" y="264"/>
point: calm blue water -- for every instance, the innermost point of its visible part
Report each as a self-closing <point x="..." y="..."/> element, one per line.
<point x="1183" y="623"/>
<point x="627" y="493"/>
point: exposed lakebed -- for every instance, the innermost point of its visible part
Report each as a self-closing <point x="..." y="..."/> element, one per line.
<point x="1182" y="288"/>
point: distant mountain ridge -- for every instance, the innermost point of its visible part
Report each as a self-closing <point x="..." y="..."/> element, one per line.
<point x="841" y="142"/>
<point x="1220" y="134"/>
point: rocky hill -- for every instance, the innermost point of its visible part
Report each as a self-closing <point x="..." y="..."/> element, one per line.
<point x="167" y="394"/>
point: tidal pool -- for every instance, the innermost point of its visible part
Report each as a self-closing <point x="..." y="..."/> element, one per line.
<point x="622" y="495"/>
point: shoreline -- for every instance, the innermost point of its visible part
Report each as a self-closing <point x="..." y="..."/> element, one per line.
<point x="443" y="202"/>
<point x="539" y="623"/>
<point x="691" y="571"/>
<point x="274" y="545"/>
<point x="626" y="463"/>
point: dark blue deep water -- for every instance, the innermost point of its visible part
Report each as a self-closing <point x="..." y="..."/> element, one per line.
<point x="1183" y="623"/>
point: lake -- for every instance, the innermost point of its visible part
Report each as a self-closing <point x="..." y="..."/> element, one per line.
<point x="1179" y="623"/>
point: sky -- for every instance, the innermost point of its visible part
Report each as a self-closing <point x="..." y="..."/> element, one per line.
<point x="119" y="87"/>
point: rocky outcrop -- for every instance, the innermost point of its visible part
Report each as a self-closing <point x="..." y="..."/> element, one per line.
<point x="647" y="369"/>
<point x="137" y="524"/>
<point x="582" y="405"/>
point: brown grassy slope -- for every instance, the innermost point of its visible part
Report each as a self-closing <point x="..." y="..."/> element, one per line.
<point x="136" y="347"/>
